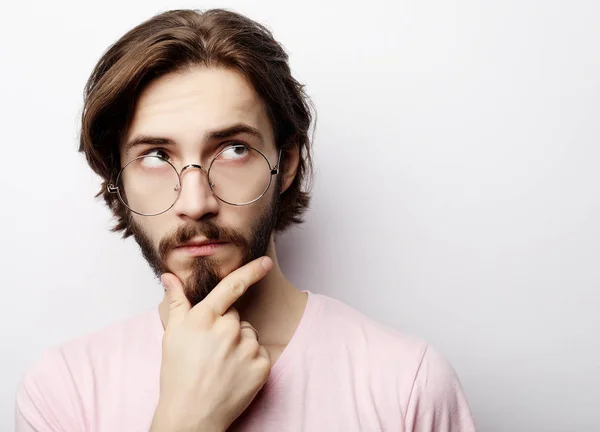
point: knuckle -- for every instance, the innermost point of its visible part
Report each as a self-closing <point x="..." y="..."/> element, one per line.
<point x="203" y="316"/>
<point x="263" y="367"/>
<point x="227" y="335"/>
<point x="229" y="327"/>
<point x="257" y="273"/>
<point x="264" y="354"/>
<point x="251" y="346"/>
<point x="232" y="315"/>
<point x="248" y="347"/>
<point x="237" y="286"/>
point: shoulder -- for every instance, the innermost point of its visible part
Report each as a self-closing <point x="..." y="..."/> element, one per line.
<point x="133" y="334"/>
<point x="54" y="392"/>
<point x="437" y="397"/>
<point x="366" y="334"/>
<point x="42" y="393"/>
<point x="134" y="337"/>
<point x="388" y="358"/>
<point x="405" y="373"/>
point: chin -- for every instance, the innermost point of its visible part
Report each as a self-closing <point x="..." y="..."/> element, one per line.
<point x="220" y="267"/>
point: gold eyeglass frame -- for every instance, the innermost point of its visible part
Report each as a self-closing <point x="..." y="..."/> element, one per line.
<point x="112" y="188"/>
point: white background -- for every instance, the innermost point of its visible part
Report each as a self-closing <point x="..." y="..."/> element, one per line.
<point x="456" y="194"/>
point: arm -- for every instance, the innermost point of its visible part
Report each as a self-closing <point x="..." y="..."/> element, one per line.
<point x="437" y="402"/>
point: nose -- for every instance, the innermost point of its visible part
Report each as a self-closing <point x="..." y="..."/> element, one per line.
<point x="196" y="200"/>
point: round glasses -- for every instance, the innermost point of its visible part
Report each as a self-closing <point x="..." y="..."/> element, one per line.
<point x="150" y="185"/>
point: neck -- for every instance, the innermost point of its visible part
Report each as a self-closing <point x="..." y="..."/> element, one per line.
<point x="273" y="306"/>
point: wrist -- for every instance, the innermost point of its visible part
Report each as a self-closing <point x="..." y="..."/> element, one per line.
<point x="169" y="419"/>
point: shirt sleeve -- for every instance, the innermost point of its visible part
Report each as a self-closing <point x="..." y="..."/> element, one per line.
<point x="437" y="402"/>
<point x="47" y="399"/>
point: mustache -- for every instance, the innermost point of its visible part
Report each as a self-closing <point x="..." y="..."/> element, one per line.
<point x="207" y="229"/>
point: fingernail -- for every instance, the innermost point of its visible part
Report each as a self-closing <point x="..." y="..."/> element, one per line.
<point x="267" y="263"/>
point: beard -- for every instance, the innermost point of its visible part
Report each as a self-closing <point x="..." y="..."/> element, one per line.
<point x="205" y="273"/>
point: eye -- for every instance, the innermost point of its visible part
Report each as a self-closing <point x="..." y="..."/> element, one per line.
<point x="234" y="152"/>
<point x="161" y="153"/>
<point x="153" y="159"/>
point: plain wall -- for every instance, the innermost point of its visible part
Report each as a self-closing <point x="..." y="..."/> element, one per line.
<point x="456" y="194"/>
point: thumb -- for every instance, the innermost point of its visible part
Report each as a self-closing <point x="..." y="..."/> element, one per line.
<point x="179" y="305"/>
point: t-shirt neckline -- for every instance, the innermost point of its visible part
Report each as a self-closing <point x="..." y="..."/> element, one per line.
<point x="296" y="346"/>
<point x="298" y="342"/>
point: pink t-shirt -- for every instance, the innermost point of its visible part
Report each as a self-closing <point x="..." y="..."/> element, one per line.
<point x="341" y="371"/>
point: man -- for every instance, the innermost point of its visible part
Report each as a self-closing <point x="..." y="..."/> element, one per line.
<point x="200" y="135"/>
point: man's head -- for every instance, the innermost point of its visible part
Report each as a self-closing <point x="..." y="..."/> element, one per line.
<point x="182" y="87"/>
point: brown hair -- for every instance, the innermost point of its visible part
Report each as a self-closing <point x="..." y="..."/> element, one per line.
<point x="176" y="40"/>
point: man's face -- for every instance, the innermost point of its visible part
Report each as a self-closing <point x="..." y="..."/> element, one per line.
<point x="179" y="115"/>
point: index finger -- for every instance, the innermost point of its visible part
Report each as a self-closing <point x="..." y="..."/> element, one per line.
<point x="233" y="286"/>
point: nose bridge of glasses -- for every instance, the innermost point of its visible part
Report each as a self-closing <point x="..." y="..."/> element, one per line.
<point x="191" y="167"/>
<point x="197" y="166"/>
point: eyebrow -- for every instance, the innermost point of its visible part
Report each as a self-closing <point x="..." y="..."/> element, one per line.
<point x="228" y="132"/>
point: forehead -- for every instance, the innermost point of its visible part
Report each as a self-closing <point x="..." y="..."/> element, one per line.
<point x="185" y="106"/>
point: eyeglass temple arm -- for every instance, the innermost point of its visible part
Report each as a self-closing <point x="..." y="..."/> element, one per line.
<point x="275" y="169"/>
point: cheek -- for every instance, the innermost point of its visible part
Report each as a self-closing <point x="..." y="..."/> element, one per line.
<point x="154" y="227"/>
<point x="240" y="219"/>
<point x="236" y="218"/>
<point x="243" y="218"/>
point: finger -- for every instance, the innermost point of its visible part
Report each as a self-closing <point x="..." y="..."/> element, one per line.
<point x="179" y="305"/>
<point x="249" y="332"/>
<point x="234" y="285"/>
<point x="262" y="352"/>
<point x="232" y="314"/>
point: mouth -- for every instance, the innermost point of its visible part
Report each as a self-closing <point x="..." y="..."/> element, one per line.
<point x="197" y="248"/>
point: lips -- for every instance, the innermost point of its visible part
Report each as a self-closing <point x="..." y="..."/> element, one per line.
<point x="199" y="248"/>
<point x="200" y="243"/>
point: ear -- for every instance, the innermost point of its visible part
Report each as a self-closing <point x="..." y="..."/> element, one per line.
<point x="290" y="165"/>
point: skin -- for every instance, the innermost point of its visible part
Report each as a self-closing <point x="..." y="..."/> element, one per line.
<point x="185" y="107"/>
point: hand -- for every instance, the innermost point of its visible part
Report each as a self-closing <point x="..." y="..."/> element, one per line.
<point x="211" y="369"/>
